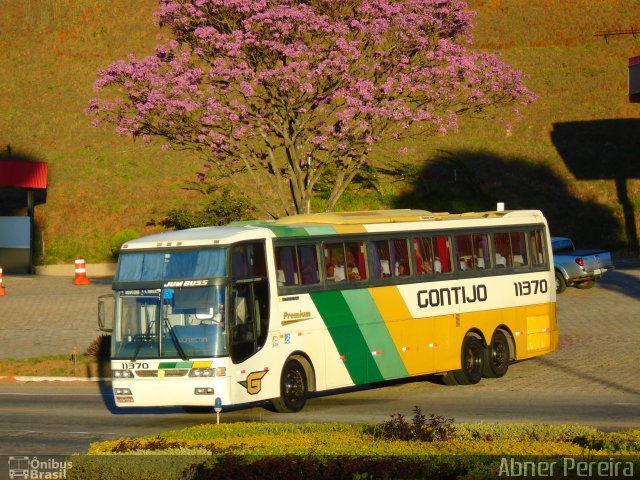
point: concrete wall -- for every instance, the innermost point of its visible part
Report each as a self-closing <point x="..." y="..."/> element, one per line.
<point x="15" y="244"/>
<point x="93" y="270"/>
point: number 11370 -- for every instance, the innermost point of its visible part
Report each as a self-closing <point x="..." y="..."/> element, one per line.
<point x="531" y="287"/>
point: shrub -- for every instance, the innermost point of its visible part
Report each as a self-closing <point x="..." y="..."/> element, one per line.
<point x="521" y="432"/>
<point x="121" y="237"/>
<point x="614" y="442"/>
<point x="436" y="428"/>
<point x="175" y="466"/>
<point x="219" y="209"/>
<point x="317" y="467"/>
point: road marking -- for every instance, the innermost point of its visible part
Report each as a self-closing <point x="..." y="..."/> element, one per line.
<point x="627" y="404"/>
<point x="57" y="432"/>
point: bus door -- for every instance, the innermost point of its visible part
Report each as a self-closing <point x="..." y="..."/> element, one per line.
<point x="248" y="302"/>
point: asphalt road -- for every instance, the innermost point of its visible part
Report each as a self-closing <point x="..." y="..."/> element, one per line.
<point x="57" y="419"/>
<point x="591" y="379"/>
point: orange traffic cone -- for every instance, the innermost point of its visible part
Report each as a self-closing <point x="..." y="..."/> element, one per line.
<point x="81" y="273"/>
<point x="3" y="291"/>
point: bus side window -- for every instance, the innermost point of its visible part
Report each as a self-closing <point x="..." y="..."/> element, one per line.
<point x="482" y="259"/>
<point x="381" y="259"/>
<point x="356" y="262"/>
<point x="519" y="248"/>
<point x="442" y="262"/>
<point x="464" y="250"/>
<point x="345" y="261"/>
<point x="286" y="271"/>
<point x="432" y="255"/>
<point x="399" y="257"/>
<point x="308" y="264"/>
<point x="297" y="265"/>
<point x="423" y="253"/>
<point x="473" y="252"/>
<point x="510" y="249"/>
<point x="537" y="248"/>
<point x="390" y="258"/>
<point x="248" y="259"/>
<point x="502" y="248"/>
<point x="334" y="262"/>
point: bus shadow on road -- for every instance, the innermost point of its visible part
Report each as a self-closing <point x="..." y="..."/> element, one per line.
<point x="106" y="393"/>
<point x="621" y="282"/>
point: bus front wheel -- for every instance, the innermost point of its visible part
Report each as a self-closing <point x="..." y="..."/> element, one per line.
<point x="293" y="388"/>
<point x="472" y="357"/>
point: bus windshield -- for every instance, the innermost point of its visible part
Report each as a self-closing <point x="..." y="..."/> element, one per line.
<point x="171" y="265"/>
<point x="170" y="323"/>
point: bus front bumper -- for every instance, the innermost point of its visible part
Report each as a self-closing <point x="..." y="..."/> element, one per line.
<point x="167" y="392"/>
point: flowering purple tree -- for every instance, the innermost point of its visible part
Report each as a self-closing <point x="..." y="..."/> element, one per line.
<point x="279" y="94"/>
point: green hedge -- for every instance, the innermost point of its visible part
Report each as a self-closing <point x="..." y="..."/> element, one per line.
<point x="180" y="465"/>
<point x="351" y="451"/>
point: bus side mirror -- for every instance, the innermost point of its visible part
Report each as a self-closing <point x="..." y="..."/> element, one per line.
<point x="106" y="312"/>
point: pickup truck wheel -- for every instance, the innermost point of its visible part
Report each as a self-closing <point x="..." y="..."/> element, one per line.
<point x="472" y="356"/>
<point x="585" y="285"/>
<point x="496" y="356"/>
<point x="561" y="284"/>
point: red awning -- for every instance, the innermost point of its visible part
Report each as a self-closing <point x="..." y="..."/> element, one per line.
<point x="15" y="173"/>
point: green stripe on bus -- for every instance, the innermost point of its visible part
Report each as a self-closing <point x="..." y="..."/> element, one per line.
<point x="286" y="231"/>
<point x="320" y="230"/>
<point x="301" y="231"/>
<point x="167" y="365"/>
<point x="381" y="346"/>
<point x="347" y="337"/>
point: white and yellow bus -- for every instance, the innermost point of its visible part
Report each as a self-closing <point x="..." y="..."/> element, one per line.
<point x="261" y="310"/>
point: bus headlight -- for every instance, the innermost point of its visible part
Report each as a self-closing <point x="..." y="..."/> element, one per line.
<point x="208" y="372"/>
<point x="203" y="391"/>
<point x="121" y="374"/>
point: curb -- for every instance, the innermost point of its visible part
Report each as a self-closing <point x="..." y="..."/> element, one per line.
<point x="58" y="379"/>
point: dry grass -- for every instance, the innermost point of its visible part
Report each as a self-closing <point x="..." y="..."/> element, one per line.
<point x="100" y="184"/>
<point x="55" y="366"/>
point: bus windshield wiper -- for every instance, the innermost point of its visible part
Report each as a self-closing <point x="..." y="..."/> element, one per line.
<point x="174" y="339"/>
<point x="146" y="333"/>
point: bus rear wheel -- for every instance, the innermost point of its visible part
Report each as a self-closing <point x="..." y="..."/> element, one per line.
<point x="496" y="356"/>
<point x="472" y="357"/>
<point x="293" y="388"/>
<point x="449" y="379"/>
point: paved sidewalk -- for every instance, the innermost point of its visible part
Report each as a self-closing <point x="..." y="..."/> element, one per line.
<point x="48" y="315"/>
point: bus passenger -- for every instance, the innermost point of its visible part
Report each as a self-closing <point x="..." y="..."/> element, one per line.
<point x="353" y="273"/>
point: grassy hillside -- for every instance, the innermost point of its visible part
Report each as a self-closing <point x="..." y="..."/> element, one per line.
<point x="573" y="154"/>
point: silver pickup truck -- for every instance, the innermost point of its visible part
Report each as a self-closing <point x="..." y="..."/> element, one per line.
<point x="578" y="267"/>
